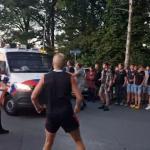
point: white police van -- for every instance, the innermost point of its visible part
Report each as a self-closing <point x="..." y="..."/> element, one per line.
<point x="23" y="67"/>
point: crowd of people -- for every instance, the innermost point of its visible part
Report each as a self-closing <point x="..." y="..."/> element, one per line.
<point x="122" y="86"/>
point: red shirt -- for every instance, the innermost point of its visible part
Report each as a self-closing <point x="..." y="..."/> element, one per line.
<point x="90" y="78"/>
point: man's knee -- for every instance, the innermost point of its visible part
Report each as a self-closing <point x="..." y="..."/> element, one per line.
<point x="49" y="139"/>
<point x="80" y="143"/>
<point x="49" y="142"/>
<point x="77" y="139"/>
<point x="101" y="93"/>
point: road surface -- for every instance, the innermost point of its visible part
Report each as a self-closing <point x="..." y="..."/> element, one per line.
<point x="119" y="129"/>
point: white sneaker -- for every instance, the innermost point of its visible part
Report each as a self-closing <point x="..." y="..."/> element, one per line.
<point x="121" y="104"/>
<point x="148" y="107"/>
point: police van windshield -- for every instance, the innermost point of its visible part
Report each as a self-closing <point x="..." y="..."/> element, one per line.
<point x="28" y="62"/>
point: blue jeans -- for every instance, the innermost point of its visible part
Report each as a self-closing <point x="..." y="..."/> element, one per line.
<point x="120" y="90"/>
<point x="148" y="90"/>
<point x="130" y="88"/>
<point x="138" y="89"/>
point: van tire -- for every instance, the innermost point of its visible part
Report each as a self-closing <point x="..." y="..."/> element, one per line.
<point x="10" y="107"/>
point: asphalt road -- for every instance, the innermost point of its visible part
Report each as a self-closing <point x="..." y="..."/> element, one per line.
<point x="119" y="129"/>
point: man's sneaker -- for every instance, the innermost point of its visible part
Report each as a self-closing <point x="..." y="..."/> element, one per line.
<point x="121" y="104"/>
<point x="3" y="131"/>
<point x="106" y="108"/>
<point x="126" y="105"/>
<point x="82" y="108"/>
<point x="137" y="107"/>
<point x="84" y="105"/>
<point x="101" y="107"/>
<point x="132" y="106"/>
<point x="116" y="103"/>
<point x="148" y="107"/>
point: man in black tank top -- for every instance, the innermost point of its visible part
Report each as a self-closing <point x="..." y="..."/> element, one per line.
<point x="57" y="87"/>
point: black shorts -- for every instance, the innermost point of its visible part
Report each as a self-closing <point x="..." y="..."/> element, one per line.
<point x="68" y="122"/>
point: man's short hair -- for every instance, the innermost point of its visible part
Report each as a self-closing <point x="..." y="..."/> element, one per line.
<point x="71" y="62"/>
<point x="107" y="64"/>
<point x="59" y="60"/>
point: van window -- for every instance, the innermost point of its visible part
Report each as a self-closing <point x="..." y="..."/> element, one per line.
<point x="28" y="62"/>
<point x="2" y="64"/>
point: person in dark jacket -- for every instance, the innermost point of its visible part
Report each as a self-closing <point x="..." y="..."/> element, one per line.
<point x="58" y="86"/>
<point x="97" y="81"/>
<point x="120" y="80"/>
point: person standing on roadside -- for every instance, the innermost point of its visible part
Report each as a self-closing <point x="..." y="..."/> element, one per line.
<point x="120" y="80"/>
<point x="130" y="85"/>
<point x="58" y="86"/>
<point x="2" y="130"/>
<point x="70" y="66"/>
<point x="97" y="81"/>
<point x="148" y="92"/>
<point x="145" y="86"/>
<point x="106" y="83"/>
<point x="2" y="90"/>
<point x="80" y="77"/>
<point x="90" y="80"/>
<point x="139" y="82"/>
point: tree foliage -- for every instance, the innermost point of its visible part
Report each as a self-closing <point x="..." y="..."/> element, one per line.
<point x="97" y="27"/>
<point x="16" y="20"/>
<point x="141" y="32"/>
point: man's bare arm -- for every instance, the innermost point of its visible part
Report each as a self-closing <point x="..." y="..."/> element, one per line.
<point x="125" y="81"/>
<point x="77" y="94"/>
<point x="36" y="93"/>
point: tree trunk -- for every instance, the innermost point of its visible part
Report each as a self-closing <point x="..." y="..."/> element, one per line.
<point x="50" y="25"/>
<point x="53" y="24"/>
<point x="128" y="42"/>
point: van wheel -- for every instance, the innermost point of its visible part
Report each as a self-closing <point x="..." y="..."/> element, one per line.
<point x="10" y="107"/>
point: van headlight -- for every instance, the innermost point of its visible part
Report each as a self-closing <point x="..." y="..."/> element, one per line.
<point x="22" y="87"/>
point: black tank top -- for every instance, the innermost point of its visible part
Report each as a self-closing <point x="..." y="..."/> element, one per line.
<point x="57" y="92"/>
